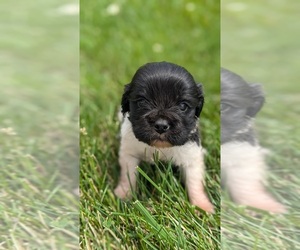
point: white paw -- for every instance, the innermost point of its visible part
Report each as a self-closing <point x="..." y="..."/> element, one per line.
<point x="122" y="192"/>
<point x="262" y="200"/>
<point x="204" y="204"/>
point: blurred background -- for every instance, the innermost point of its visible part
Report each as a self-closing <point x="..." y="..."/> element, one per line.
<point x="116" y="38"/>
<point x="39" y="108"/>
<point x="260" y="42"/>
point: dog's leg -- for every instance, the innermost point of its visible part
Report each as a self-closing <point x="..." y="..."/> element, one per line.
<point x="128" y="174"/>
<point x="194" y="174"/>
<point x="244" y="170"/>
<point x="250" y="191"/>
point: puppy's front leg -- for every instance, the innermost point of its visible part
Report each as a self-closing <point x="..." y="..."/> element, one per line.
<point x="246" y="188"/>
<point x="128" y="173"/>
<point x="194" y="173"/>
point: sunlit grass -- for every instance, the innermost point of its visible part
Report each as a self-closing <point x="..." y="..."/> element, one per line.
<point x="112" y="48"/>
<point x="38" y="127"/>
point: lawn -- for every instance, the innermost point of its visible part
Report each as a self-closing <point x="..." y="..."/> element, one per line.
<point x="39" y="151"/>
<point x="38" y="126"/>
<point x="260" y="42"/>
<point x="115" y="39"/>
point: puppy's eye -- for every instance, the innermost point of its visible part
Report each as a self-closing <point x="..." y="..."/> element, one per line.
<point x="141" y="103"/>
<point x="183" y="106"/>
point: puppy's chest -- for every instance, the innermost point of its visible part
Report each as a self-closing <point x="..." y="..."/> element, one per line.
<point x="144" y="152"/>
<point x="179" y="155"/>
<point x="151" y="154"/>
<point x="240" y="154"/>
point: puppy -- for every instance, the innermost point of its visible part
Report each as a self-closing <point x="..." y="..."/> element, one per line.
<point x="160" y="108"/>
<point x="242" y="159"/>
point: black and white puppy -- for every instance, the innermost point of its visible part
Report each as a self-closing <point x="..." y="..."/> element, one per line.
<point x="161" y="107"/>
<point x="242" y="159"/>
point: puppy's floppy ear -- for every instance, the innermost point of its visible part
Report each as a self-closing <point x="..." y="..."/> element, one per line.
<point x="125" y="99"/>
<point x="258" y="100"/>
<point x="200" y="100"/>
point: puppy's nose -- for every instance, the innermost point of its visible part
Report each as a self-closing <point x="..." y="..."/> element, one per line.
<point x="161" y="126"/>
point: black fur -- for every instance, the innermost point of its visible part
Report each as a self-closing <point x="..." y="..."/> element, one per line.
<point x="240" y="102"/>
<point x="163" y="90"/>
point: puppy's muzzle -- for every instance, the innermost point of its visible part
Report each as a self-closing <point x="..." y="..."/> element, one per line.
<point x="161" y="126"/>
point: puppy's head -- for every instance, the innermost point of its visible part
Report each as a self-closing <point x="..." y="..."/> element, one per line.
<point x="163" y="102"/>
<point x="240" y="102"/>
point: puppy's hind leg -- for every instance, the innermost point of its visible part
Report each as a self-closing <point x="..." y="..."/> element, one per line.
<point x="127" y="178"/>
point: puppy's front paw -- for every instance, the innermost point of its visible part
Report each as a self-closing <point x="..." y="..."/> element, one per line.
<point x="277" y="208"/>
<point x="204" y="204"/>
<point x="261" y="200"/>
<point x="123" y="192"/>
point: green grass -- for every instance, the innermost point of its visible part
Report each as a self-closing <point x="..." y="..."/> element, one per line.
<point x="38" y="126"/>
<point x="260" y="42"/>
<point x="112" y="48"/>
<point x="39" y="132"/>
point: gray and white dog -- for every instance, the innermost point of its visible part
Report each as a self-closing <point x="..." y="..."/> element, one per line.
<point x="242" y="158"/>
<point x="160" y="110"/>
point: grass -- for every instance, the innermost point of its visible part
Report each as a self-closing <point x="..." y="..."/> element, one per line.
<point x="259" y="41"/>
<point x="113" y="45"/>
<point x="38" y="127"/>
<point x="39" y="117"/>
